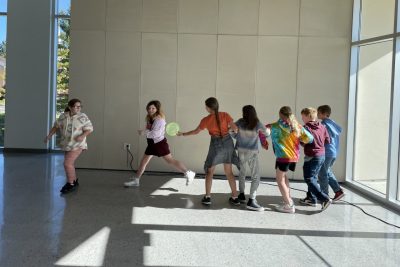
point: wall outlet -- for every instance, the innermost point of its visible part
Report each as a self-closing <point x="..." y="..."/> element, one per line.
<point x="127" y="146"/>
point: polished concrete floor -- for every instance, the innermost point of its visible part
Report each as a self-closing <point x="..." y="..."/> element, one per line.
<point x="162" y="223"/>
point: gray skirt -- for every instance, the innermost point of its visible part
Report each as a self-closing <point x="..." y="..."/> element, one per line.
<point x="221" y="150"/>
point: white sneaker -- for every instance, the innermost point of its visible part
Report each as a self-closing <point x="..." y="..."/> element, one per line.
<point x="286" y="208"/>
<point x="133" y="182"/>
<point x="189" y="176"/>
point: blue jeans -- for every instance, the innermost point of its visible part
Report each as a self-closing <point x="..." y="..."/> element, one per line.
<point x="327" y="177"/>
<point x="311" y="168"/>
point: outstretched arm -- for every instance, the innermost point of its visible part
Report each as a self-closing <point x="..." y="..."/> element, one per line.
<point x="53" y="130"/>
<point x="233" y="127"/>
<point x="192" y="132"/>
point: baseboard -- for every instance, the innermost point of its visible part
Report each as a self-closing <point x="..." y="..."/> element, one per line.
<point x="24" y="150"/>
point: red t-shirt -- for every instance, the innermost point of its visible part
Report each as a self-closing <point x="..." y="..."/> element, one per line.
<point x="210" y="123"/>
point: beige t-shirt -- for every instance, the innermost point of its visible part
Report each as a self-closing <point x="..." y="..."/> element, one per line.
<point x="71" y="127"/>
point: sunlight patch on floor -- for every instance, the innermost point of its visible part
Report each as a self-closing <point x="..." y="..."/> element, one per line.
<point x="90" y="253"/>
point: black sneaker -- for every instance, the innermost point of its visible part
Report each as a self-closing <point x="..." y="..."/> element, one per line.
<point x="76" y="183"/>
<point x="206" y="201"/>
<point x="253" y="205"/>
<point x="326" y="204"/>
<point x="308" y="201"/>
<point x="242" y="198"/>
<point x="234" y="201"/>
<point x="68" y="188"/>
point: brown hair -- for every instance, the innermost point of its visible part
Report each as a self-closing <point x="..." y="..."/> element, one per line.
<point x="71" y="103"/>
<point x="325" y="109"/>
<point x="310" y="112"/>
<point x="286" y="112"/>
<point x="159" y="112"/>
<point x="250" y="117"/>
<point x="212" y="103"/>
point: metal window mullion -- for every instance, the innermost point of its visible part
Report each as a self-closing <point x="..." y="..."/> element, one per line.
<point x="351" y="114"/>
<point x="62" y="16"/>
<point x="53" y="69"/>
<point x="351" y="117"/>
<point x="394" y="130"/>
<point x="355" y="34"/>
<point x="392" y="185"/>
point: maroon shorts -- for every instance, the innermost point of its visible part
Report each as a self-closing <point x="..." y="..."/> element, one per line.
<point x="159" y="149"/>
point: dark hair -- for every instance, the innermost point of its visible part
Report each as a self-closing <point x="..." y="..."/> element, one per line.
<point x="212" y="103"/>
<point x="71" y="103"/>
<point x="325" y="109"/>
<point x="159" y="112"/>
<point x="250" y="117"/>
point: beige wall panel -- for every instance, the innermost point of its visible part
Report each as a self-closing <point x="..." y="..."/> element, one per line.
<point x="236" y="70"/>
<point x="279" y="17"/>
<point x="197" y="58"/>
<point x="326" y="18"/>
<point x="238" y="16"/>
<point x="192" y="14"/>
<point x="275" y="85"/>
<point x="323" y="76"/>
<point x="121" y="109"/>
<point x="160" y="16"/>
<point x="88" y="15"/>
<point x="158" y="75"/>
<point x="87" y="84"/>
<point x="124" y="15"/>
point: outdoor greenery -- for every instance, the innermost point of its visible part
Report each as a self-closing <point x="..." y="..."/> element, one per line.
<point x="63" y="55"/>
<point x="2" y="115"/>
<point x="3" y="50"/>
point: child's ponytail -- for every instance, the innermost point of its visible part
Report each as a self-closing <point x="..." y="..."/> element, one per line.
<point x="294" y="124"/>
<point x="212" y="103"/>
<point x="286" y="112"/>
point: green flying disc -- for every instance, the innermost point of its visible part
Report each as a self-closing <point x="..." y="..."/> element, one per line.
<point x="172" y="128"/>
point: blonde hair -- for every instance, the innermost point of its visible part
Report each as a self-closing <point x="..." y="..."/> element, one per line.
<point x="286" y="112"/>
<point x="310" y="112"/>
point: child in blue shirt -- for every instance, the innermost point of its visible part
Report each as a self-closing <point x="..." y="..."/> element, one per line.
<point x="326" y="176"/>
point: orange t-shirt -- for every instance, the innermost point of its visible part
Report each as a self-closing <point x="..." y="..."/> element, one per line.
<point x="210" y="123"/>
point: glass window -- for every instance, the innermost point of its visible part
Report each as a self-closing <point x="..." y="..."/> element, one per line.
<point x="63" y="54"/>
<point x="3" y="55"/>
<point x="63" y="7"/>
<point x="377" y="18"/>
<point x="373" y="115"/>
<point x="3" y="5"/>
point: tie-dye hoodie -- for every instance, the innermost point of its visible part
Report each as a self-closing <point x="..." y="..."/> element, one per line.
<point x="285" y="143"/>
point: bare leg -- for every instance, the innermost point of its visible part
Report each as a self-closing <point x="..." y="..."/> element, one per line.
<point x="177" y="164"/>
<point x="281" y="181"/>
<point x="231" y="179"/>
<point x="143" y="163"/>
<point x="287" y="184"/>
<point x="209" y="179"/>
<point x="69" y="164"/>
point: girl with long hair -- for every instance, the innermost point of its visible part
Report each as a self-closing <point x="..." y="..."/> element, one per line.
<point x="221" y="150"/>
<point x="247" y="144"/>
<point x="286" y="135"/>
<point x="157" y="145"/>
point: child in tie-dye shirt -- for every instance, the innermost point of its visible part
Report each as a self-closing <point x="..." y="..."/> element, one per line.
<point x="286" y="135"/>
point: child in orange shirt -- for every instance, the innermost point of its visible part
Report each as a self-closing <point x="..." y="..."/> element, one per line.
<point x="221" y="150"/>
